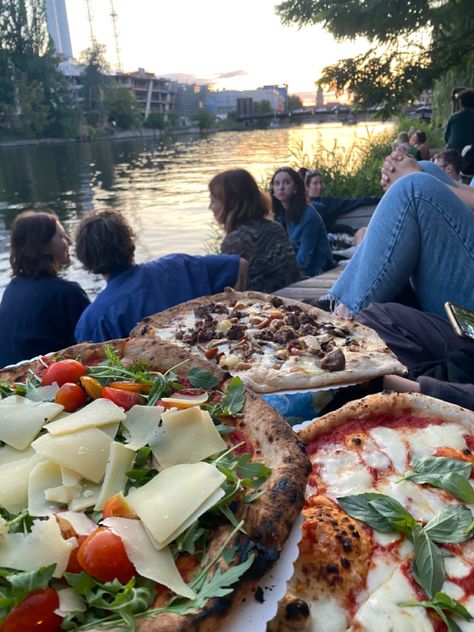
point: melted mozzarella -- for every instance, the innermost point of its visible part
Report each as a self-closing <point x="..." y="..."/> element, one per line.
<point x="424" y="441"/>
<point x="342" y="473"/>
<point x="456" y="568"/>
<point x="423" y="503"/>
<point x="382" y="612"/>
<point x="393" y="446"/>
<point x="327" y="616"/>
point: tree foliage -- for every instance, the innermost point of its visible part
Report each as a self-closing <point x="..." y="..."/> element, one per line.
<point x="412" y="43"/>
<point x="122" y="107"/>
<point x="294" y="103"/>
<point x="262" y="107"/>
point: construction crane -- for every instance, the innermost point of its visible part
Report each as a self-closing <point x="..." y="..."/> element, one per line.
<point x="90" y="20"/>
<point x="113" y="15"/>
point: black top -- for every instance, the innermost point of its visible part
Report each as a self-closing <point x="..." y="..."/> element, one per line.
<point x="266" y="247"/>
<point x="38" y="316"/>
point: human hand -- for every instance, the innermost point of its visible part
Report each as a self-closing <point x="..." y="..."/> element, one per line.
<point x="395" y="166"/>
<point x="400" y="384"/>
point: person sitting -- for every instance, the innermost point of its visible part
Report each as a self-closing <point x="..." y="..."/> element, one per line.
<point x="330" y="208"/>
<point x="304" y="225"/>
<point x="422" y="234"/>
<point x="460" y="127"/>
<point x="419" y="142"/>
<point x="450" y="161"/>
<point x="440" y="363"/>
<point x="105" y="244"/>
<point x="39" y="310"/>
<point x="242" y="210"/>
<point x="402" y="143"/>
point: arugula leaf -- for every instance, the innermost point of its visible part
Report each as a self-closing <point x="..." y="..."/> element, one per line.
<point x="141" y="457"/>
<point x="442" y="604"/>
<point x="191" y="540"/>
<point x="452" y="525"/>
<point x="360" y="506"/>
<point x="159" y="389"/>
<point x="441" y="465"/>
<point x="224" y="429"/>
<point x="16" y="586"/>
<point x="202" y="379"/>
<point x="234" y="399"/>
<point x="428" y="565"/>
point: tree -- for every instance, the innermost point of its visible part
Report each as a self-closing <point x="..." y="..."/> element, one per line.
<point x="413" y="43"/>
<point x="95" y="83"/>
<point x="122" y="107"/>
<point x="204" y="119"/>
<point x="155" y="120"/>
<point x="294" y="103"/>
<point x="262" y="107"/>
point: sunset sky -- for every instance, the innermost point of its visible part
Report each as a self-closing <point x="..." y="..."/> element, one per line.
<point x="232" y="45"/>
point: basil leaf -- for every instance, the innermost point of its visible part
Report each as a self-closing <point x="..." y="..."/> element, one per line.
<point x="441" y="465"/>
<point x="202" y="379"/>
<point x="234" y="398"/>
<point x="445" y="602"/>
<point x="428" y="565"/>
<point x="458" y="486"/>
<point x="359" y="506"/>
<point x="443" y="605"/>
<point x="392" y="511"/>
<point x="453" y="525"/>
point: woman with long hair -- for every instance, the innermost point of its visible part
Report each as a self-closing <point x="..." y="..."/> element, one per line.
<point x="39" y="310"/>
<point x="242" y="210"/>
<point x="304" y="225"/>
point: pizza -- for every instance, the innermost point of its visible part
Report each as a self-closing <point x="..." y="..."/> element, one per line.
<point x="272" y="343"/>
<point x="388" y="528"/>
<point x="138" y="489"/>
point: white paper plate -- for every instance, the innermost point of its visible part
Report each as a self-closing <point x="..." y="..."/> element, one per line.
<point x="251" y="615"/>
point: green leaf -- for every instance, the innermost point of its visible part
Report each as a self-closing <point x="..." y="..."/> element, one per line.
<point x="141" y="457"/>
<point x="234" y="398"/>
<point x="451" y="526"/>
<point x="441" y="465"/>
<point x="445" y="602"/>
<point x="25" y="582"/>
<point x="428" y="565"/>
<point x="360" y="506"/>
<point x="453" y="483"/>
<point x="443" y="605"/>
<point x="392" y="511"/>
<point x="202" y="379"/>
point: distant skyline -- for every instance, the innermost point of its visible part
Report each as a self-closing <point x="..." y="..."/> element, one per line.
<point x="234" y="46"/>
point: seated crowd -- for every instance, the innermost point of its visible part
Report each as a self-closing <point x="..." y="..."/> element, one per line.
<point x="421" y="236"/>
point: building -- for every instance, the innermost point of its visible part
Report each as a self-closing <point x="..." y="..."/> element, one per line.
<point x="154" y="94"/>
<point x="319" y="97"/>
<point x="58" y="27"/>
<point x="190" y="98"/>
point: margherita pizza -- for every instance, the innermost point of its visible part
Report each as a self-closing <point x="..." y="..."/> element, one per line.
<point x="274" y="344"/>
<point x="137" y="487"/>
<point x="388" y="528"/>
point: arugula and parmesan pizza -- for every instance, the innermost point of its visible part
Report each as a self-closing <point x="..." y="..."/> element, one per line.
<point x="137" y="490"/>
<point x="272" y="343"/>
<point x="388" y="527"/>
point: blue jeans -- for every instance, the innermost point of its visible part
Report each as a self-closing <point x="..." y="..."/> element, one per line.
<point x="421" y="233"/>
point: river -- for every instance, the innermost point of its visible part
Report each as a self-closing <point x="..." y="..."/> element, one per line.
<point x="159" y="185"/>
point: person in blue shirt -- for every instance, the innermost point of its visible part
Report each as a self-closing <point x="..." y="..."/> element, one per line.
<point x="330" y="208"/>
<point x="304" y="225"/>
<point x="105" y="244"/>
<point x="39" y="310"/>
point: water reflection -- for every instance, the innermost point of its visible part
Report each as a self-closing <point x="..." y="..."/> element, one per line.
<point x="159" y="185"/>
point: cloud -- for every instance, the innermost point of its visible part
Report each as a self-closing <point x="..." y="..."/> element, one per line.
<point x="230" y="75"/>
<point x="182" y="77"/>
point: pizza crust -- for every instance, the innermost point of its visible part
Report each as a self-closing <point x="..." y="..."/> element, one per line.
<point x="374" y="359"/>
<point x="268" y="520"/>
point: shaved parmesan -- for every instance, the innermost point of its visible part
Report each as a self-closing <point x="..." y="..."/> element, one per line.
<point x="43" y="476"/>
<point x="69" y="601"/>
<point x="42" y="547"/>
<point x="171" y="497"/>
<point x="186" y="436"/>
<point x="20" y="422"/>
<point x="87" y="498"/>
<point x="62" y="494"/>
<point x="120" y="461"/>
<point x="8" y="454"/>
<point x="70" y="477"/>
<point x="156" y="565"/>
<point x="14" y="478"/>
<point x="81" y="523"/>
<point x="140" y="423"/>
<point x="186" y="401"/>
<point x="43" y="393"/>
<point x="85" y="452"/>
<point x="100" y="412"/>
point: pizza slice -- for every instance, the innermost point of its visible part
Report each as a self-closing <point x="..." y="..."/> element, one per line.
<point x="272" y="343"/>
<point x="156" y="501"/>
<point x="388" y="529"/>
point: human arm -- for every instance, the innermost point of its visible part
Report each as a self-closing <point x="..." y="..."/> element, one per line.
<point x="312" y="235"/>
<point x="242" y="275"/>
<point x="460" y="394"/>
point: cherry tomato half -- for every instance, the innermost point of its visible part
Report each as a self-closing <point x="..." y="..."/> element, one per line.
<point x="132" y="387"/>
<point x="73" y="565"/>
<point x="63" y="371"/>
<point x="71" y="396"/>
<point x="102" y="555"/>
<point x="91" y="386"/>
<point x="122" y="398"/>
<point x="34" y="614"/>
<point x="119" y="507"/>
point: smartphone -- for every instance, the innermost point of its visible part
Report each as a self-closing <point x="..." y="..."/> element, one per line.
<point x="461" y="319"/>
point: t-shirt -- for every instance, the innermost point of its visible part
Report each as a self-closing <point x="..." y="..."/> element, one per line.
<point x="310" y="241"/>
<point x="266" y="247"/>
<point x="147" y="288"/>
<point x="38" y="315"/>
<point x="460" y="129"/>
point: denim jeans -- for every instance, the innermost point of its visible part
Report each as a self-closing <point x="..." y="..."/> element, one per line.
<point x="420" y="232"/>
